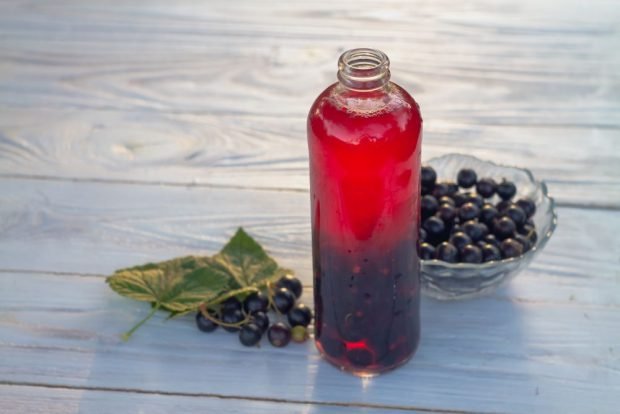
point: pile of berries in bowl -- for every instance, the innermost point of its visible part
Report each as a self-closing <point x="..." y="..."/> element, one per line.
<point x="481" y="224"/>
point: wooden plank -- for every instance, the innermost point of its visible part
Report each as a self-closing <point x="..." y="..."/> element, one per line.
<point x="22" y="399"/>
<point x="492" y="62"/>
<point x="95" y="229"/>
<point x="486" y="355"/>
<point x="271" y="153"/>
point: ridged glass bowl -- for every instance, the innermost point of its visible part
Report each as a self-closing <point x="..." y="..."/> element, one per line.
<point x="445" y="281"/>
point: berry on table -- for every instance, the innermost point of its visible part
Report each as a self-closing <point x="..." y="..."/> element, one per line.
<point x="447" y="252"/>
<point x="279" y="334"/>
<point x="291" y="283"/>
<point x="506" y="189"/>
<point x="511" y="248"/>
<point x="230" y="304"/>
<point x="299" y="315"/>
<point x="250" y="334"/>
<point x="232" y="316"/>
<point x="283" y="300"/>
<point x="471" y="254"/>
<point x="528" y="205"/>
<point x="256" y="302"/>
<point x="299" y="333"/>
<point x="486" y="187"/>
<point x="468" y="211"/>
<point x="466" y="178"/>
<point x="428" y="176"/>
<point x="260" y="319"/>
<point x="427" y="251"/>
<point x="204" y="324"/>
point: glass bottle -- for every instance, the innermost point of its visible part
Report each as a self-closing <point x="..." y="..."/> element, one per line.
<point x="364" y="138"/>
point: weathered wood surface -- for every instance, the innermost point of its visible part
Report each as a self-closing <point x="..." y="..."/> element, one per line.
<point x="548" y="333"/>
<point x="138" y="132"/>
<point x="19" y="399"/>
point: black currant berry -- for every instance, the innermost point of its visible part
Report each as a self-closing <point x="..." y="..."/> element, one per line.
<point x="476" y="199"/>
<point x="447" y="213"/>
<point x="517" y="214"/>
<point x="447" y="252"/>
<point x="471" y="254"/>
<point x="460" y="240"/>
<point x="300" y="315"/>
<point x="504" y="228"/>
<point x="468" y="211"/>
<point x="459" y="199"/>
<point x="427" y="251"/>
<point x="492" y="240"/>
<point x="283" y="300"/>
<point x="230" y="304"/>
<point x="446" y="200"/>
<point x="490" y="253"/>
<point x="434" y="226"/>
<point x="204" y="324"/>
<point x="528" y="206"/>
<point x="232" y="316"/>
<point x="423" y="235"/>
<point x="452" y="187"/>
<point x="466" y="178"/>
<point x="256" y="302"/>
<point x="429" y="206"/>
<point x="511" y="248"/>
<point x="279" y="334"/>
<point x="525" y="242"/>
<point x="441" y="189"/>
<point x="261" y="320"/>
<point x="488" y="213"/>
<point x="250" y="334"/>
<point x="506" y="189"/>
<point x="486" y="187"/>
<point x="291" y="283"/>
<point x="428" y="176"/>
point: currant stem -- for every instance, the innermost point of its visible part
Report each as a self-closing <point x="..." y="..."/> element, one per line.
<point x="128" y="334"/>
<point x="205" y="313"/>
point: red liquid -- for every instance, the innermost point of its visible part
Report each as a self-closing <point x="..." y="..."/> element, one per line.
<point x="364" y="178"/>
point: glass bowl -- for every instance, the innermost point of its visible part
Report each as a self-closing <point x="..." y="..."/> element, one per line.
<point x="445" y="281"/>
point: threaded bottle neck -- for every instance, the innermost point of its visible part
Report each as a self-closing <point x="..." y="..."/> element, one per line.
<point x="363" y="69"/>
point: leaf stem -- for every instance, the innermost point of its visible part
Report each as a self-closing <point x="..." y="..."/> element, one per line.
<point x="272" y="304"/>
<point x="128" y="334"/>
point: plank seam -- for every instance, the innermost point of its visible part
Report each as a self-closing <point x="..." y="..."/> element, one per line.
<point x="94" y="180"/>
<point x="240" y="397"/>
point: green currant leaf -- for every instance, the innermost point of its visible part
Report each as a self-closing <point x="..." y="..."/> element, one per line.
<point x="246" y="263"/>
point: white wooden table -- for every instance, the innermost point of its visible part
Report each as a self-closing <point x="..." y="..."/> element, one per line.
<point x="134" y="133"/>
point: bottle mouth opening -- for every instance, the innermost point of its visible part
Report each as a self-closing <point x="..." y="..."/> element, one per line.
<point x="363" y="69"/>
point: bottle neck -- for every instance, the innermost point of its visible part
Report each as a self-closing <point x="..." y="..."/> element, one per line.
<point x="363" y="69"/>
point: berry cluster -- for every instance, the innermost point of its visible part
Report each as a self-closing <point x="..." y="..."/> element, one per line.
<point x="465" y="226"/>
<point x="250" y="318"/>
